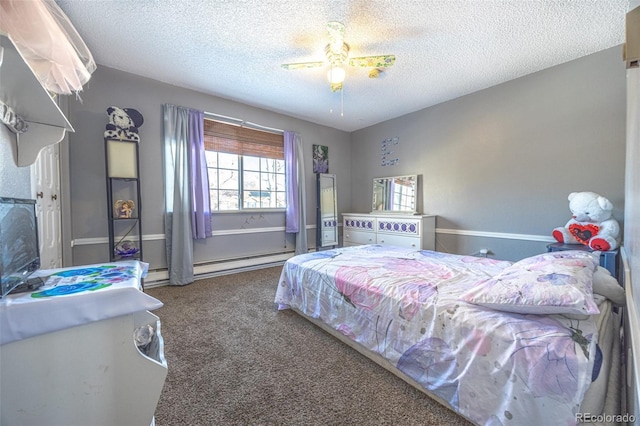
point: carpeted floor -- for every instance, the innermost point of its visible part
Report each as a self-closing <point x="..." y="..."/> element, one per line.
<point x="235" y="360"/>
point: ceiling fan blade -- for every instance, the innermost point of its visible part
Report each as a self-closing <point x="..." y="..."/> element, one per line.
<point x="373" y="61"/>
<point x="299" y="65"/>
<point x="335" y="31"/>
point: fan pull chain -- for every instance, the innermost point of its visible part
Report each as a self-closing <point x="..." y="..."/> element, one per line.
<point x="341" y="104"/>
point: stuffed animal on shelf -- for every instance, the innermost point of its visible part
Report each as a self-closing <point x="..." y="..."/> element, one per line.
<point x="123" y="123"/>
<point x="592" y="223"/>
<point x="124" y="209"/>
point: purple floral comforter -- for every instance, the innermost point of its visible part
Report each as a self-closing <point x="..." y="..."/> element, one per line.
<point x="494" y="368"/>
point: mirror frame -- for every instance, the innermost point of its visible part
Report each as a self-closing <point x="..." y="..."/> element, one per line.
<point x="379" y="194"/>
<point x="327" y="210"/>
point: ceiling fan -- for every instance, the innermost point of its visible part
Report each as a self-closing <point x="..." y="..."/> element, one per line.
<point x="337" y="52"/>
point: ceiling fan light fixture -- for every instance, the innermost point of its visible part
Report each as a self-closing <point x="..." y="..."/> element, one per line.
<point x="336" y="75"/>
<point x="337" y="53"/>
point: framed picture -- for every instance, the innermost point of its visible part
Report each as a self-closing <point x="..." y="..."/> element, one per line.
<point x="320" y="159"/>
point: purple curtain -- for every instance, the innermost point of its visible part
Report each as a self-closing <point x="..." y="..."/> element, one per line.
<point x="292" y="223"/>
<point x="199" y="178"/>
<point x="296" y="212"/>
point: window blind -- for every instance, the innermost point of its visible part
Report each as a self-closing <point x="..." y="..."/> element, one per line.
<point x="233" y="139"/>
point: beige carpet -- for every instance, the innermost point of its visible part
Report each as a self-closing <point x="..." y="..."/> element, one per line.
<point x="235" y="360"/>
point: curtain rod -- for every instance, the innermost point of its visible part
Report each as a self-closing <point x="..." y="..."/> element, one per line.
<point x="243" y="123"/>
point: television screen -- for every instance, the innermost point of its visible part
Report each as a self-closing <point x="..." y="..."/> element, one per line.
<point x="18" y="242"/>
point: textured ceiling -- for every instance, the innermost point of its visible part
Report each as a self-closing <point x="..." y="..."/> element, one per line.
<point x="444" y="49"/>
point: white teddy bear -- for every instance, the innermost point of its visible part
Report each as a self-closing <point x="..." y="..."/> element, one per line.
<point x="592" y="223"/>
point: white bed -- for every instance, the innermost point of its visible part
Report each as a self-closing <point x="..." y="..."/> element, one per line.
<point x="403" y="308"/>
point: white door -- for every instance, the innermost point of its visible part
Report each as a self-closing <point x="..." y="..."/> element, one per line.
<point x="45" y="186"/>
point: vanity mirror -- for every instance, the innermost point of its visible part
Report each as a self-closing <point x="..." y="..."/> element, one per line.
<point x="396" y="194"/>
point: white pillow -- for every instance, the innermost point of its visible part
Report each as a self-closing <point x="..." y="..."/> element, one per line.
<point x="605" y="285"/>
<point x="550" y="283"/>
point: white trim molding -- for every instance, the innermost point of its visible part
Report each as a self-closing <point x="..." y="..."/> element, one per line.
<point x="105" y="240"/>
<point x="240" y="231"/>
<point x="155" y="237"/>
<point x="501" y="235"/>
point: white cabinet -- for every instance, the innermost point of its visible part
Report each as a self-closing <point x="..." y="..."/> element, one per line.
<point x="89" y="374"/>
<point x="417" y="231"/>
<point x="73" y="359"/>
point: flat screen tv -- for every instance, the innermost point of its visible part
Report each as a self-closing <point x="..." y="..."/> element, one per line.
<point x="18" y="242"/>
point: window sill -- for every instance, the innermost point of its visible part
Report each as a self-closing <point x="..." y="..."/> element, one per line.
<point x="252" y="211"/>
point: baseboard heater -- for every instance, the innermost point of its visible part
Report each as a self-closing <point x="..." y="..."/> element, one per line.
<point x="159" y="277"/>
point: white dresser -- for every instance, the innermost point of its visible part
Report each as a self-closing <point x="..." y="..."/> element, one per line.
<point x="418" y="231"/>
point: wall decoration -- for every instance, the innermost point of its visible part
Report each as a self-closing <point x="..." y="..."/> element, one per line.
<point x="385" y="151"/>
<point x="123" y="123"/>
<point x="320" y="159"/>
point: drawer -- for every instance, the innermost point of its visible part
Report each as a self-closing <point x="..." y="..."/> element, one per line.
<point x="358" y="237"/>
<point x="409" y="228"/>
<point x="361" y="223"/>
<point x="399" y="240"/>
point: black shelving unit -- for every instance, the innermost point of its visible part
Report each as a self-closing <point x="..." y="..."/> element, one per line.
<point x="123" y="189"/>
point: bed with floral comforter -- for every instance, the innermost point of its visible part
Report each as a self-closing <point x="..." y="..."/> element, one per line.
<point x="405" y="305"/>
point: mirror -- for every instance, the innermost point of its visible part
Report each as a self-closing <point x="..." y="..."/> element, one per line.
<point x="396" y="194"/>
<point x="327" y="217"/>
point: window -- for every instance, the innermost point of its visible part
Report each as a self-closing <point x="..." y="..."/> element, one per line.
<point x="246" y="167"/>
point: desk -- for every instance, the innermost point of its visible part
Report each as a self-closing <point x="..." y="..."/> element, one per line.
<point x="608" y="259"/>
<point x="68" y="354"/>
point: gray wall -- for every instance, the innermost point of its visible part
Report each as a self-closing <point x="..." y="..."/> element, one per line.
<point x="496" y="165"/>
<point x="500" y="163"/>
<point x="87" y="171"/>
<point x="14" y="181"/>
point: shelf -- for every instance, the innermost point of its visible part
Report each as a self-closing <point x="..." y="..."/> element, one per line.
<point x="123" y="179"/>
<point x="120" y="190"/>
<point x="24" y="93"/>
<point x="116" y="257"/>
